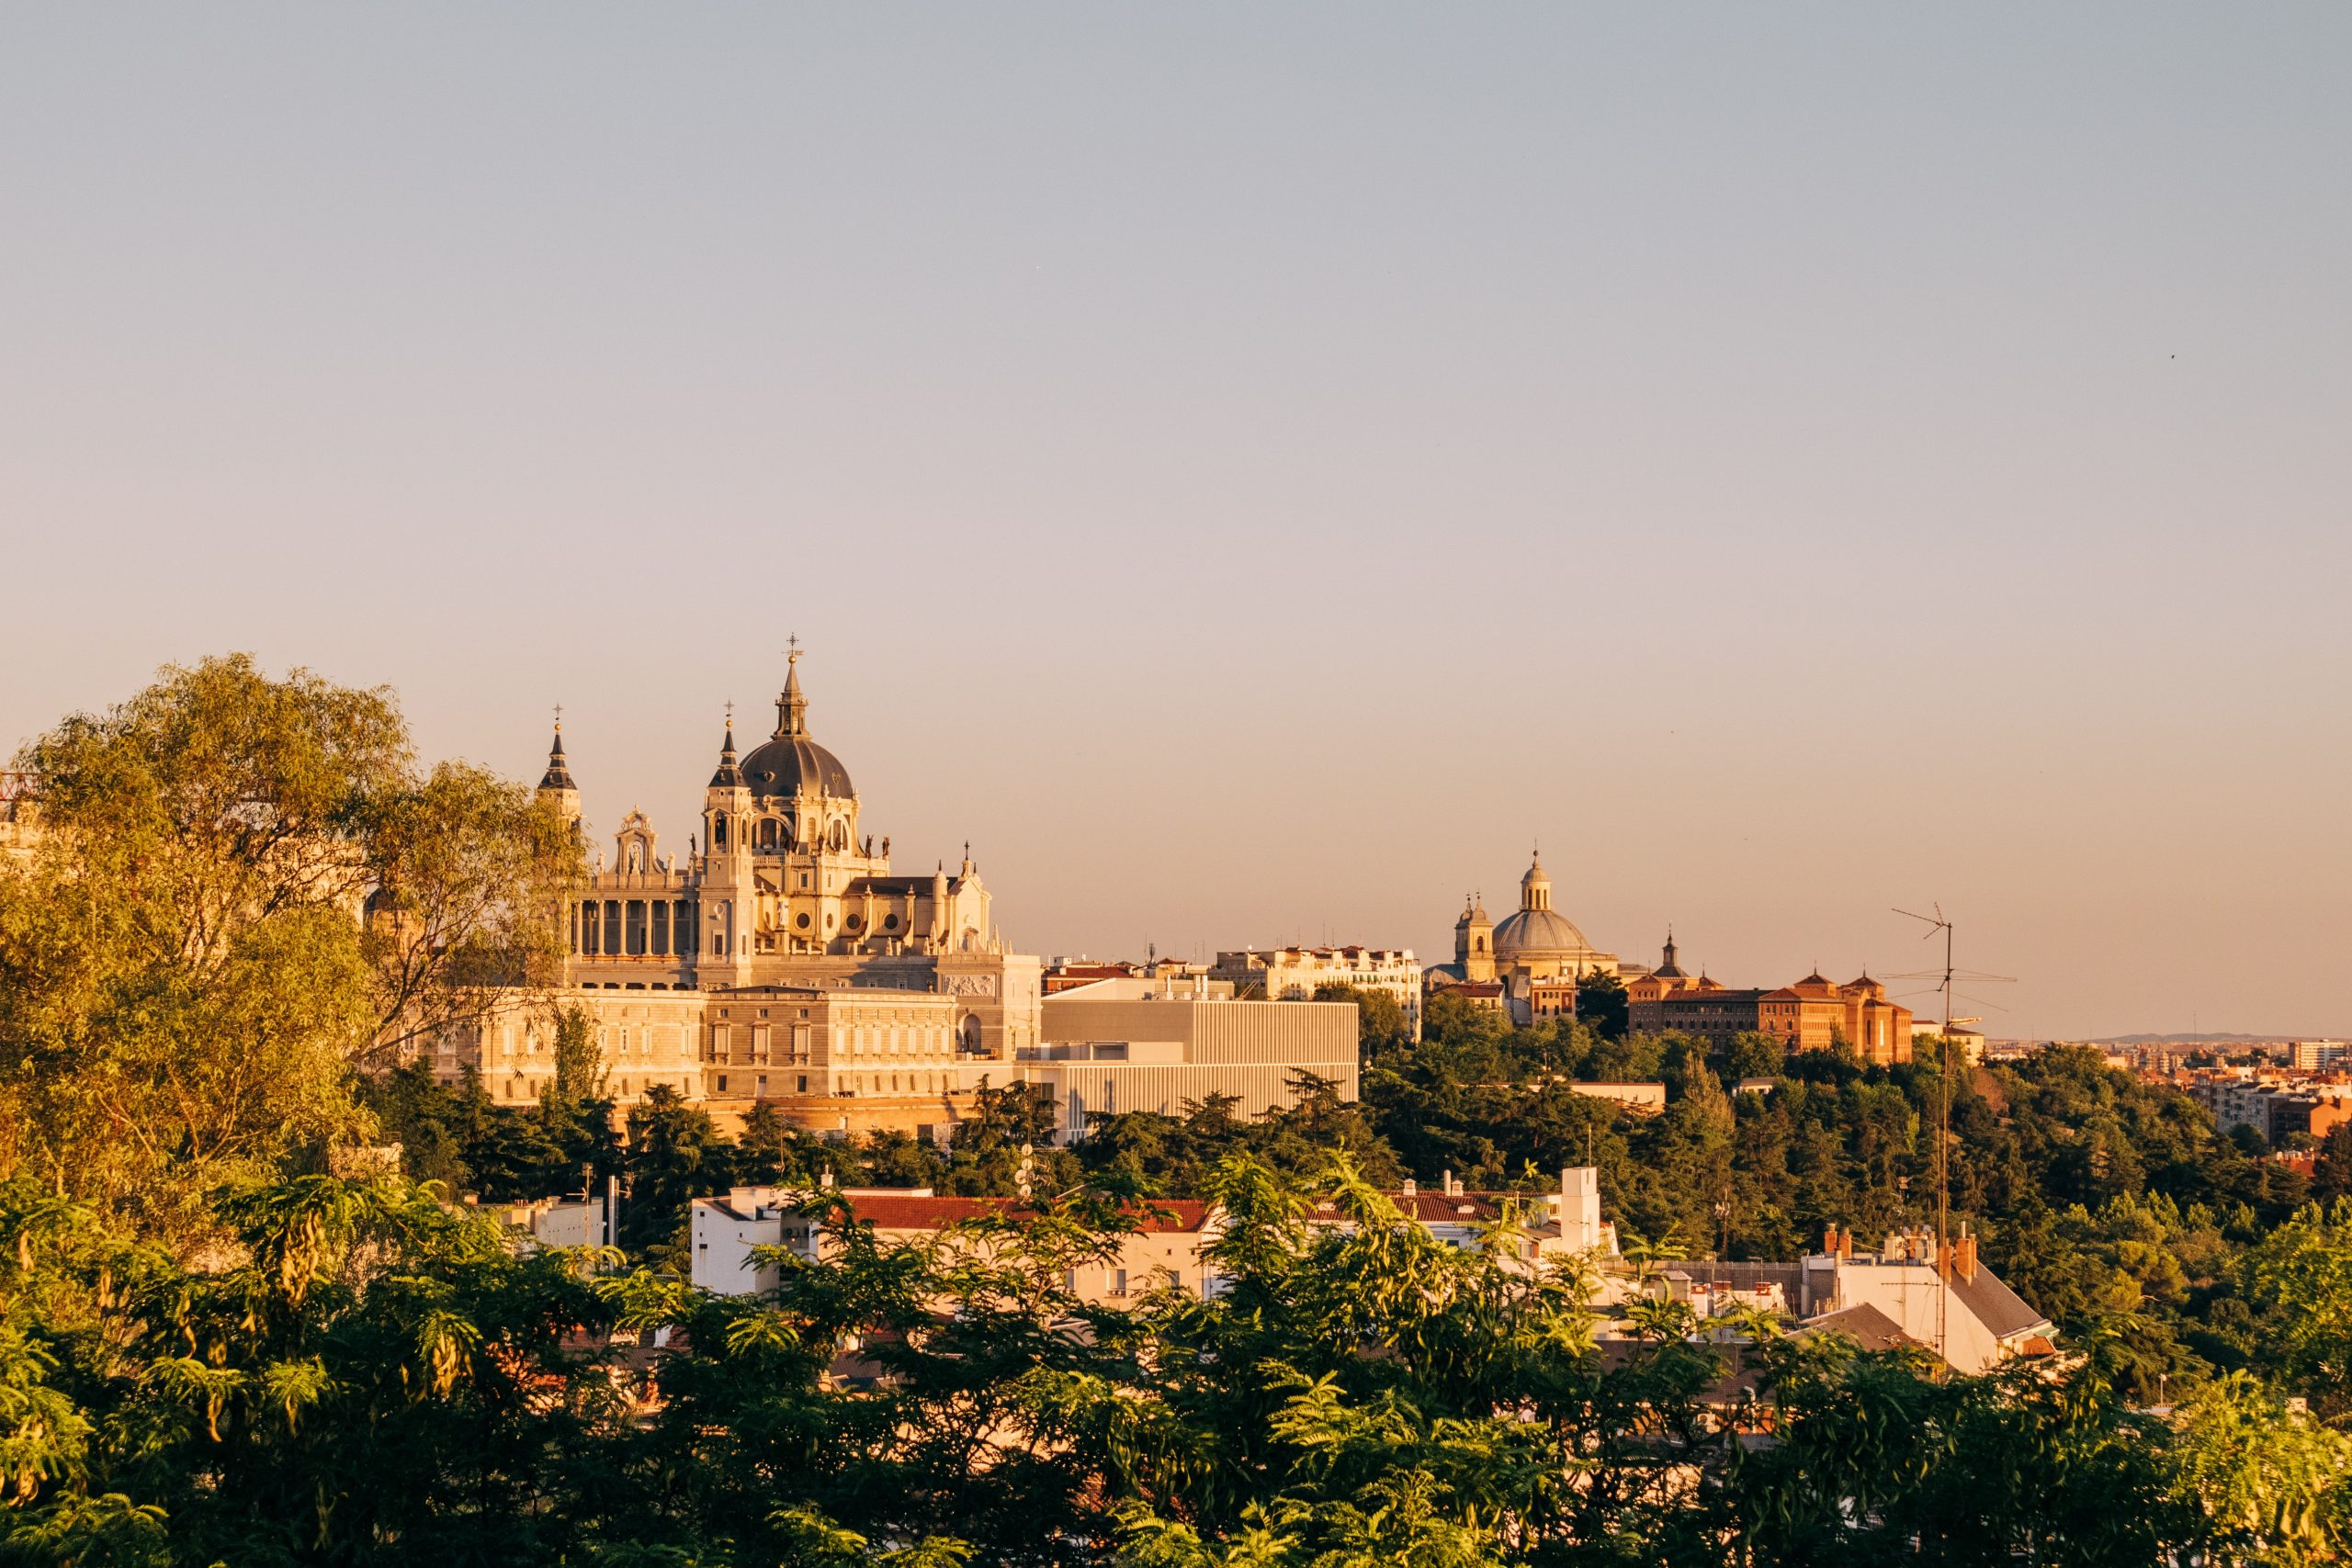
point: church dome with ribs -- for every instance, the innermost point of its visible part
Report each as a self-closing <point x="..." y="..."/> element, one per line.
<point x="790" y="763"/>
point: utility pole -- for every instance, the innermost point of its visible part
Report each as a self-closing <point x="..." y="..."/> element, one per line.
<point x="1938" y="924"/>
<point x="1943" y="1142"/>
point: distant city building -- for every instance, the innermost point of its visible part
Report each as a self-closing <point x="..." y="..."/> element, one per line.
<point x="1981" y="1322"/>
<point x="2311" y="1055"/>
<point x="1884" y="1298"/>
<point x="1551" y="1227"/>
<point x="2274" y="1105"/>
<point x="1967" y="1044"/>
<point x="784" y="962"/>
<point x="1124" y="1045"/>
<point x="1293" y="974"/>
<point x="1064" y="976"/>
<point x="1536" y="955"/>
<point x="1813" y="1014"/>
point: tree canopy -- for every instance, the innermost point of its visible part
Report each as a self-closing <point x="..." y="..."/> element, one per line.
<point x="243" y="890"/>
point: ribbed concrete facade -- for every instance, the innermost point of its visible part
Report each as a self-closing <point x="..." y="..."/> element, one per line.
<point x="1115" y="1054"/>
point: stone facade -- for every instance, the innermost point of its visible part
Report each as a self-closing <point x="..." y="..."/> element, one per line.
<point x="782" y="962"/>
<point x="1814" y="1014"/>
<point x="780" y="959"/>
<point x="787" y="888"/>
<point x="1123" y="1046"/>
<point x="1536" y="955"/>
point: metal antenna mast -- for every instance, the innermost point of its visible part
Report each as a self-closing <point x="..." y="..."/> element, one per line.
<point x="1938" y="922"/>
<point x="1943" y="1136"/>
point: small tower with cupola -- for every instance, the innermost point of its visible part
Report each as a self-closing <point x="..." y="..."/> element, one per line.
<point x="1473" y="941"/>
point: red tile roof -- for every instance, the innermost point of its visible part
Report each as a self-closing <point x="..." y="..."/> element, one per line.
<point x="910" y="1214"/>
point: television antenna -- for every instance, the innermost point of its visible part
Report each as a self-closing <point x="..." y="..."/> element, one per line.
<point x="1939" y="923"/>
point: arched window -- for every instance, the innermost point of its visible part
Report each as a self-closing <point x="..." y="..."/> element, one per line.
<point x="767" y="834"/>
<point x="718" y="831"/>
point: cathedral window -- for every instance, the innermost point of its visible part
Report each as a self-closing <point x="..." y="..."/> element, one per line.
<point x="718" y="831"/>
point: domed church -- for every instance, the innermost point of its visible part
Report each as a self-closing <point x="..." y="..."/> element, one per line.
<point x="789" y="890"/>
<point x="1529" y="963"/>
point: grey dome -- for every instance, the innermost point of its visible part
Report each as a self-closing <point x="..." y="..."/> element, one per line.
<point x="1538" y="932"/>
<point x="789" y="764"/>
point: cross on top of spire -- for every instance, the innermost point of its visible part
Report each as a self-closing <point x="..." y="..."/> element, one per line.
<point x="791" y="707"/>
<point x="559" y="774"/>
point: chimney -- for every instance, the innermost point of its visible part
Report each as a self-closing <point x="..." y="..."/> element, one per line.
<point x="1445" y="1181"/>
<point x="1964" y="1257"/>
<point x="1411" y="1188"/>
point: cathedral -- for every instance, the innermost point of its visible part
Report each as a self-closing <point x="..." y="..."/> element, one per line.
<point x="1530" y="964"/>
<point x="787" y="889"/>
<point x="782" y="960"/>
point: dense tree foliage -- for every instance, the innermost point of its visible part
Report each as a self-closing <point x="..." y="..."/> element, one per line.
<point x="362" y="1374"/>
<point x="2100" y="1198"/>
<point x="242" y="888"/>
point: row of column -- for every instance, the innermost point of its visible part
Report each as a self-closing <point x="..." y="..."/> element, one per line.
<point x="632" y="928"/>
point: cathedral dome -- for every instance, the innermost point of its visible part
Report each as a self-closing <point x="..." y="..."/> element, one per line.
<point x="789" y="764"/>
<point x="1538" y="934"/>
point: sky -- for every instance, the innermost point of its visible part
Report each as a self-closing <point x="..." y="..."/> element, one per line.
<point x="1256" y="471"/>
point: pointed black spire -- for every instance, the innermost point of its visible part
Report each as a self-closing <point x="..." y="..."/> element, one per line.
<point x="559" y="776"/>
<point x="792" y="708"/>
<point x="729" y="776"/>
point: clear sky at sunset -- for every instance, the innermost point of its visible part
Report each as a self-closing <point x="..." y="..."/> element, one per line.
<point x="1252" y="470"/>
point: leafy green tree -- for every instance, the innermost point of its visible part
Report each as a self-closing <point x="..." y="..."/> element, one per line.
<point x="579" y="1075"/>
<point x="242" y="887"/>
<point x="1380" y="1022"/>
<point x="675" y="1156"/>
<point x="1601" y="1005"/>
<point x="2300" y="1279"/>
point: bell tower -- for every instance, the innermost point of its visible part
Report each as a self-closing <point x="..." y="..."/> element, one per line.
<point x="726" y="893"/>
<point x="1473" y="941"/>
<point x="555" y="784"/>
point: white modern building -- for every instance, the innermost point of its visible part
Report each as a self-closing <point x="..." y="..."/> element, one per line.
<point x="1294" y="974"/>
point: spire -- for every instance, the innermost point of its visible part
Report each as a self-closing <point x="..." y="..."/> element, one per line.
<point x="792" y="708"/>
<point x="559" y="776"/>
<point x="1669" y="970"/>
<point x="729" y="776"/>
